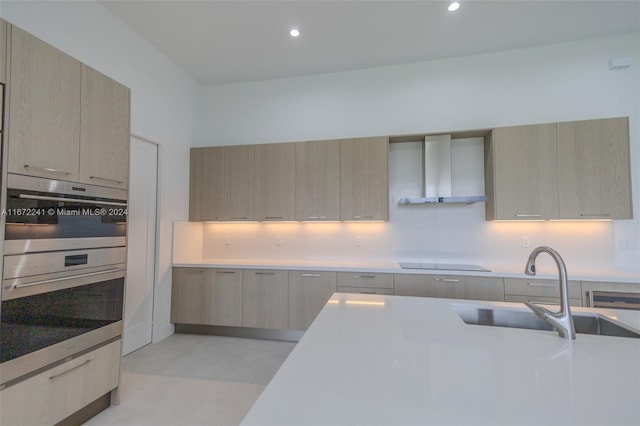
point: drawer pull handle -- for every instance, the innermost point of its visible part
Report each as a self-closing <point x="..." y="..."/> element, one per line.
<point x="225" y="272"/>
<point x="238" y="217"/>
<point x="47" y="169"/>
<point x="70" y="370"/>
<point x="448" y="280"/>
<point x="273" y="217"/>
<point x="363" y="217"/>
<point x="364" y="276"/>
<point x="367" y="292"/>
<point x="312" y="275"/>
<point x="316" y="217"/>
<point x="527" y="215"/>
<point x="541" y="284"/>
<point x="116" y="181"/>
<point x="265" y="273"/>
<point x="595" y="214"/>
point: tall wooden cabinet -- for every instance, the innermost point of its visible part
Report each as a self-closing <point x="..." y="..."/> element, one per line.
<point x="275" y="171"/>
<point x="595" y="171"/>
<point x="239" y="183"/>
<point x="206" y="184"/>
<point x="522" y="173"/>
<point x="3" y="51"/>
<point x="44" y="109"/>
<point x="104" y="130"/>
<point x="364" y="185"/>
<point x="66" y="120"/>
<point x="318" y="180"/>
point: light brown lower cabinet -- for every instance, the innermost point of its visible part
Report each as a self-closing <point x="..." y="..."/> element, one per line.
<point x="449" y="286"/>
<point x="309" y="291"/>
<point x="265" y="299"/>
<point x="225" y="297"/>
<point x="55" y="394"/>
<point x="190" y="296"/>
<point x="540" y="290"/>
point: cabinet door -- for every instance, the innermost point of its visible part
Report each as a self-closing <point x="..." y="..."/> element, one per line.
<point x="590" y="286"/>
<point x="318" y="181"/>
<point x="265" y="299"/>
<point x="595" y="172"/>
<point x="364" y="185"/>
<point x="206" y="184"/>
<point x="275" y="172"/>
<point x="365" y="279"/>
<point x="104" y="131"/>
<point x="239" y="182"/>
<point x="189" y="296"/>
<point x="481" y="288"/>
<point x="308" y="293"/>
<point x="522" y="173"/>
<point x="426" y="286"/>
<point x="225" y="297"/>
<point x="44" y="109"/>
<point x="3" y="51"/>
<point x="55" y="394"/>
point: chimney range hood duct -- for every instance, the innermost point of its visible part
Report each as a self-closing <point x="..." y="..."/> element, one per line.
<point x="437" y="175"/>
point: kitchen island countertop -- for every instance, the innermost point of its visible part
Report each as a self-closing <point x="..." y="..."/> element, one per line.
<point x="392" y="360"/>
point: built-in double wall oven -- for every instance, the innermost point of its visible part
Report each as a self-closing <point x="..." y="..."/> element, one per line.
<point x="63" y="272"/>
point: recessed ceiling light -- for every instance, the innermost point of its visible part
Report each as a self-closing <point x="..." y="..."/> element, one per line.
<point x="294" y="33"/>
<point x="453" y="6"/>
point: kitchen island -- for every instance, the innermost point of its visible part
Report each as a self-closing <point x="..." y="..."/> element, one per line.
<point x="392" y="360"/>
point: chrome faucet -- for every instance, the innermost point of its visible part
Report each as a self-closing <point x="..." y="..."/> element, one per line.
<point x="562" y="320"/>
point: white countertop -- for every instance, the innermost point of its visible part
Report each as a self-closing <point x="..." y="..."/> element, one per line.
<point x="392" y="360"/>
<point x="393" y="267"/>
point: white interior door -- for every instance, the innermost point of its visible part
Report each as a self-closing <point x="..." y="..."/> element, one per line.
<point x="141" y="245"/>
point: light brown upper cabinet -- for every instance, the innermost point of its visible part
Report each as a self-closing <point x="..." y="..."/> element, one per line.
<point x="3" y="50"/>
<point x="521" y="173"/>
<point x="66" y="121"/>
<point x="104" y="130"/>
<point x="364" y="186"/>
<point x="44" y="109"/>
<point x="239" y="183"/>
<point x="206" y="184"/>
<point x="275" y="172"/>
<point x="575" y="170"/>
<point x="595" y="170"/>
<point x="318" y="180"/>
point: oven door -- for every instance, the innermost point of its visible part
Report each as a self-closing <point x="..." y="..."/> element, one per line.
<point x="47" y="327"/>
<point x="44" y="215"/>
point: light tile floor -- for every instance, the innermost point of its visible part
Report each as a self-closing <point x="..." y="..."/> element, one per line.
<point x="191" y="379"/>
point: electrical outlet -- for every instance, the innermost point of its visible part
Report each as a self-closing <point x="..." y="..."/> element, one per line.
<point x="358" y="241"/>
<point x="278" y="240"/>
<point x="628" y="244"/>
<point x="525" y="241"/>
<point x="227" y="240"/>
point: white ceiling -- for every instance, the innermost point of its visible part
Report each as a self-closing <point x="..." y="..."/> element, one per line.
<point x="220" y="42"/>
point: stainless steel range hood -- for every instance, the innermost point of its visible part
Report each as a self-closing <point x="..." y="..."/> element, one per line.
<point x="438" y="179"/>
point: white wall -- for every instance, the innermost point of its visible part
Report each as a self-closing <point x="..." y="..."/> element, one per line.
<point x="165" y="103"/>
<point x="563" y="82"/>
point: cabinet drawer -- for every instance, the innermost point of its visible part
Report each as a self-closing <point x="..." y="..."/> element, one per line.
<point x="365" y="279"/>
<point x="540" y="299"/>
<point x="55" y="394"/>
<point x="539" y="287"/>
<point x="365" y="290"/>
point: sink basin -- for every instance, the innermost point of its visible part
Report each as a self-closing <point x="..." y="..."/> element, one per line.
<point x="583" y="323"/>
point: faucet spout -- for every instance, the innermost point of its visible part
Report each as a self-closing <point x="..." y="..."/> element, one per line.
<point x="562" y="321"/>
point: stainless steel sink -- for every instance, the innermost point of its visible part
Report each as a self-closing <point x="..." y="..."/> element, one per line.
<point x="497" y="317"/>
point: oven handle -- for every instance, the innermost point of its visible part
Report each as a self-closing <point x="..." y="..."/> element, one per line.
<point x="54" y="280"/>
<point x="74" y="200"/>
